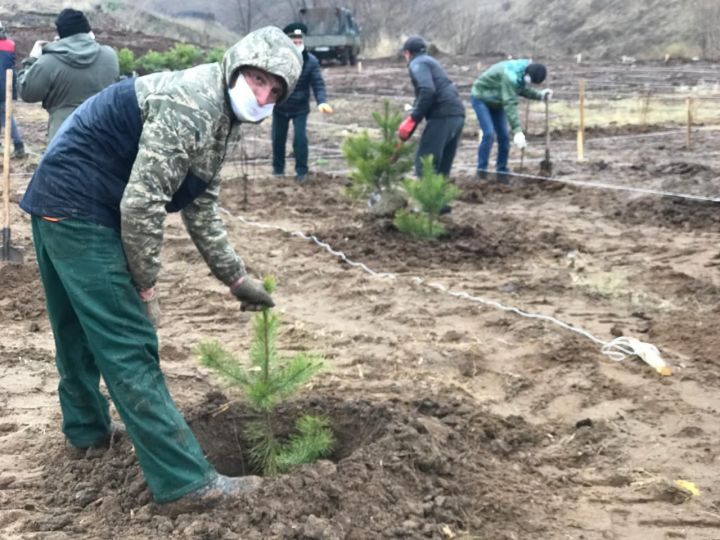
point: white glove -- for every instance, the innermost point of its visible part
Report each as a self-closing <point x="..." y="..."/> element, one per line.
<point x="36" y="51"/>
<point x="519" y="140"/>
<point x="546" y="94"/>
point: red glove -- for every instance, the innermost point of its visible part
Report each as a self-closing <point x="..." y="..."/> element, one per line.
<point x="406" y="128"/>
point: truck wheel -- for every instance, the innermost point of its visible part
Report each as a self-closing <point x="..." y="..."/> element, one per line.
<point x="353" y="57"/>
<point x="345" y="56"/>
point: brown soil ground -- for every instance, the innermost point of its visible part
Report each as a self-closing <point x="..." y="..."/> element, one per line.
<point x="454" y="419"/>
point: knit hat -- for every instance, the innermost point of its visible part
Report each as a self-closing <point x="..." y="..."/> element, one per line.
<point x="537" y="73"/>
<point x="70" y="22"/>
<point x="415" y="45"/>
<point x="295" y="30"/>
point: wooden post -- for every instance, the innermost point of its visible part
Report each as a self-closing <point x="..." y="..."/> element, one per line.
<point x="581" y="127"/>
<point x="359" y="66"/>
<point x="6" y="155"/>
<point x="689" y="122"/>
<point x="526" y="128"/>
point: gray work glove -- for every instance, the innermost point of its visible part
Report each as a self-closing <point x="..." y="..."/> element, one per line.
<point x="152" y="306"/>
<point x="251" y="294"/>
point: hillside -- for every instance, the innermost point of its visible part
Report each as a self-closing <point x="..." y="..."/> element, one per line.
<point x="597" y="29"/>
<point x="114" y="23"/>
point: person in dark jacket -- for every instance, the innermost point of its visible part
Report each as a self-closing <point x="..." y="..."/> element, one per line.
<point x="297" y="108"/>
<point x="7" y="61"/>
<point x="66" y="72"/>
<point x="437" y="102"/>
<point x="494" y="97"/>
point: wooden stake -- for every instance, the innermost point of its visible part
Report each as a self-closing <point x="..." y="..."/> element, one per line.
<point x="6" y="155"/>
<point x="581" y="128"/>
<point x="689" y="122"/>
<point x="526" y="128"/>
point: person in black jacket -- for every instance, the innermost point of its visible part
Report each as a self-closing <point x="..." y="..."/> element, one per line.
<point x="297" y="108"/>
<point x="438" y="102"/>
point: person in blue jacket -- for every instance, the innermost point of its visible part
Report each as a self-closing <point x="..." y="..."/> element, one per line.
<point x="297" y="108"/>
<point x="7" y="61"/>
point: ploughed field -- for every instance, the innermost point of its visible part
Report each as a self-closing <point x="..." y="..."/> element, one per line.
<point x="454" y="418"/>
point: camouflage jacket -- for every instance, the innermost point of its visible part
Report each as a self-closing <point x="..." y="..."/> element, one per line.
<point x="188" y="127"/>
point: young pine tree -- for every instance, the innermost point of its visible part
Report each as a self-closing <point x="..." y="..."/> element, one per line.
<point x="266" y="383"/>
<point x="431" y="192"/>
<point x="378" y="164"/>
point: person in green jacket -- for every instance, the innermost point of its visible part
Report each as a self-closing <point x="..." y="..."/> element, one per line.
<point x="64" y="73"/>
<point x="494" y="97"/>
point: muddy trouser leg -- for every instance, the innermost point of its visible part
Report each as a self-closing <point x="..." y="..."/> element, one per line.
<point x="300" y="144"/>
<point x="89" y="265"/>
<point x="455" y="126"/>
<point x="499" y="119"/>
<point x="86" y="420"/>
<point x="280" y="125"/>
<point x="482" y="112"/>
<point x="437" y="133"/>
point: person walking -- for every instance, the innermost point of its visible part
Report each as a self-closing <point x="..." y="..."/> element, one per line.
<point x="126" y="157"/>
<point x="438" y="103"/>
<point x="297" y="109"/>
<point x="64" y="73"/>
<point x="7" y="61"/>
<point x="494" y="97"/>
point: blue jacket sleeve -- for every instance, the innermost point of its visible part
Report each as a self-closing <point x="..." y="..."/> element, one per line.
<point x="424" y="89"/>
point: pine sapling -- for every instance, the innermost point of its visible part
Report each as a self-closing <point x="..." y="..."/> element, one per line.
<point x="266" y="383"/>
<point x="378" y="164"/>
<point x="431" y="192"/>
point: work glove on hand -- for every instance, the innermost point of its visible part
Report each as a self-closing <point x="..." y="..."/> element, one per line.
<point x="546" y="94"/>
<point x="406" y="128"/>
<point x="36" y="51"/>
<point x="152" y="306"/>
<point x="519" y="140"/>
<point x="251" y="294"/>
<point x="325" y="108"/>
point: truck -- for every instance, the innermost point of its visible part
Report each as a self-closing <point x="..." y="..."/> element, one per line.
<point x="332" y="34"/>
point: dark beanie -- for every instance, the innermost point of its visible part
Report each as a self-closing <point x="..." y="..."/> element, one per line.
<point x="537" y="73"/>
<point x="71" y="22"/>
<point x="415" y="45"/>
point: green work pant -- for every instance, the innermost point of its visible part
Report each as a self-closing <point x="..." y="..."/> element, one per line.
<point x="101" y="329"/>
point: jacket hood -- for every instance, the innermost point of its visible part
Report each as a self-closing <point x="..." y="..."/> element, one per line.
<point x="79" y="50"/>
<point x="268" y="49"/>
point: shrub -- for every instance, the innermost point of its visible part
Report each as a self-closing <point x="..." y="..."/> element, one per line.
<point x="378" y="164"/>
<point x="432" y="192"/>
<point x="126" y="58"/>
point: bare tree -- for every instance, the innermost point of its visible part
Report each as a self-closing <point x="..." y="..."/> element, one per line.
<point x="707" y="20"/>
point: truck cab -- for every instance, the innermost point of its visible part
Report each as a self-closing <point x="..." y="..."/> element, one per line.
<point x="332" y="34"/>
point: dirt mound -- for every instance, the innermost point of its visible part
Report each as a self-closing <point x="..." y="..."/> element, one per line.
<point x="27" y="302"/>
<point x="423" y="468"/>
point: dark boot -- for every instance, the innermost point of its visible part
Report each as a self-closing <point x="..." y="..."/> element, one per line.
<point x="502" y="178"/>
<point x="117" y="432"/>
<point x="221" y="490"/>
<point x="19" y="152"/>
<point x="481" y="175"/>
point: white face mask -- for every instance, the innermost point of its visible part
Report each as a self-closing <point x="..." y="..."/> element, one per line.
<point x="300" y="47"/>
<point x="527" y="79"/>
<point x="244" y="103"/>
